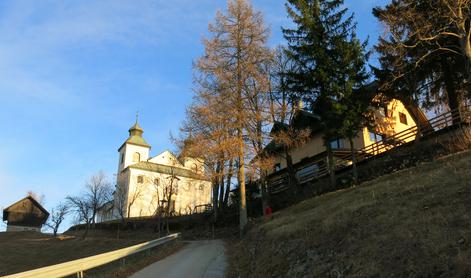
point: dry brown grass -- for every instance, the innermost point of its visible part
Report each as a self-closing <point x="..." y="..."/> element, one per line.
<point x="413" y="223"/>
<point x="25" y="251"/>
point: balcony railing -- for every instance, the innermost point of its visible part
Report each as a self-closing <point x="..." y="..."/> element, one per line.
<point x="344" y="159"/>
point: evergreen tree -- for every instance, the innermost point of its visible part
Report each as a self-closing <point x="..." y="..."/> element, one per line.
<point x="330" y="62"/>
<point x="426" y="53"/>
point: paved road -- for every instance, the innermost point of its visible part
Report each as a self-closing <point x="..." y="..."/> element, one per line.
<point x="203" y="259"/>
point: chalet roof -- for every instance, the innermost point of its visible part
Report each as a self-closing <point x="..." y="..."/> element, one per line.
<point x="36" y="203"/>
<point x="166" y="169"/>
<point x="301" y="119"/>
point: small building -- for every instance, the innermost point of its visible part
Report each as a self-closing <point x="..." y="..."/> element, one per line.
<point x="25" y="215"/>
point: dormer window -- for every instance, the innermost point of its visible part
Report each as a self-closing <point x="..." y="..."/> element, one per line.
<point x="403" y="118"/>
<point x="136" y="157"/>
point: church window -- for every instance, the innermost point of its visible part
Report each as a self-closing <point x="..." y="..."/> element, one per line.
<point x="136" y="157"/>
<point x="156" y="182"/>
<point x="140" y="179"/>
<point x="122" y="158"/>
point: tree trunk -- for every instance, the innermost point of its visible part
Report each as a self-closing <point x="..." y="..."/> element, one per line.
<point x="354" y="161"/>
<point x="331" y="164"/>
<point x="221" y="188"/>
<point x="263" y="188"/>
<point x="228" y="183"/>
<point x="216" y="185"/>
<point x="466" y="47"/>
<point x="452" y="94"/>
<point x="241" y="181"/>
<point x="292" y="180"/>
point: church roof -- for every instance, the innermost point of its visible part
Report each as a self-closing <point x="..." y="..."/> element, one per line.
<point x="137" y="140"/>
<point x="136" y="126"/>
<point x="135" y="136"/>
<point x="166" y="169"/>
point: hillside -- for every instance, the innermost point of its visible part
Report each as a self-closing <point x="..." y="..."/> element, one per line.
<point x="413" y="223"/>
<point x="27" y="250"/>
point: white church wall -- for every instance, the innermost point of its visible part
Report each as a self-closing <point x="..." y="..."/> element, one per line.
<point x="188" y="193"/>
<point x="165" y="158"/>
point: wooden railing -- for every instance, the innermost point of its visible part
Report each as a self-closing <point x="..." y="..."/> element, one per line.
<point x="438" y="123"/>
<point x="80" y="265"/>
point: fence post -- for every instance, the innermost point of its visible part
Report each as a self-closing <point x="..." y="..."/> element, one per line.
<point x="123" y="262"/>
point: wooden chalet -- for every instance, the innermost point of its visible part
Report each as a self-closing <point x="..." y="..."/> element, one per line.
<point x="25" y="215"/>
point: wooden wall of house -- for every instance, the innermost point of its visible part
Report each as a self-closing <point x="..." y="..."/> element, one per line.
<point x="26" y="213"/>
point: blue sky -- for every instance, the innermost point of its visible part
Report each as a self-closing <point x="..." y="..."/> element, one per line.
<point x="74" y="73"/>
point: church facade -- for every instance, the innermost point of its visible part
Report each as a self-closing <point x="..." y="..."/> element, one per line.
<point x="146" y="185"/>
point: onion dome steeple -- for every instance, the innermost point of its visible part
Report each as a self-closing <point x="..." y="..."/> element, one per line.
<point x="135" y="135"/>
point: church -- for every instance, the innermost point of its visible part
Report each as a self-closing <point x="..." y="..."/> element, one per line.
<point x="148" y="184"/>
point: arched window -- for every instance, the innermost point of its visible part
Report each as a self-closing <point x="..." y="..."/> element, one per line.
<point x="156" y="182"/>
<point x="136" y="157"/>
<point x="140" y="179"/>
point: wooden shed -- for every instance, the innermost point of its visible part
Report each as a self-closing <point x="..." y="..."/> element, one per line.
<point x="25" y="215"/>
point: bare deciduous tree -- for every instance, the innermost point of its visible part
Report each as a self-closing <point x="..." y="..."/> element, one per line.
<point x="57" y="216"/>
<point x="97" y="192"/>
<point x="135" y="194"/>
<point x="231" y="66"/>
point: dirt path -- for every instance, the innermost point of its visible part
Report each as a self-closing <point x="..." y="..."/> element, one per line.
<point x="198" y="259"/>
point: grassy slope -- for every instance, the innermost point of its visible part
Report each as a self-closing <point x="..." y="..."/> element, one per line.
<point x="413" y="223"/>
<point x="26" y="251"/>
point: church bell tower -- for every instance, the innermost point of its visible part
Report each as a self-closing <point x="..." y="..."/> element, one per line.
<point x="135" y="149"/>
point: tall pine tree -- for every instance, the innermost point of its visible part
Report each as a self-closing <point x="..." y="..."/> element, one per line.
<point x="330" y="63"/>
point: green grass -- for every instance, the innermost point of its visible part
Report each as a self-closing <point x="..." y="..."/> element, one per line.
<point x="413" y="223"/>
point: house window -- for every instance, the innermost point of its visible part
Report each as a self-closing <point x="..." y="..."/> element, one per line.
<point x="277" y="167"/>
<point x="136" y="157"/>
<point x="375" y="137"/>
<point x="403" y="118"/>
<point x="140" y="179"/>
<point x="337" y="144"/>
